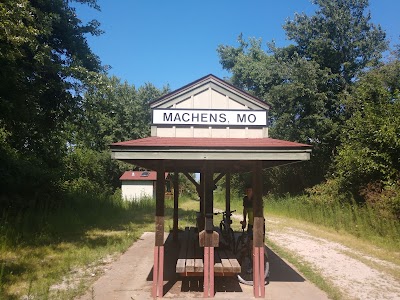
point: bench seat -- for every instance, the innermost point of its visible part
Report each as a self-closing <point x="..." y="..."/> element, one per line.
<point x="190" y="258"/>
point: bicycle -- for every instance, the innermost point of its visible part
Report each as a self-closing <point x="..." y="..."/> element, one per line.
<point x="244" y="254"/>
<point x="226" y="230"/>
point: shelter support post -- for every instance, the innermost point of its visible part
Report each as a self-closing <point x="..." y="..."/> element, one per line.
<point x="158" y="269"/>
<point x="258" y="235"/>
<point x="208" y="193"/>
<point x="200" y="191"/>
<point x="228" y="195"/>
<point x="176" y="199"/>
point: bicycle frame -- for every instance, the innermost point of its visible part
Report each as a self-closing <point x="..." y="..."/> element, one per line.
<point x="224" y="222"/>
<point x="226" y="230"/>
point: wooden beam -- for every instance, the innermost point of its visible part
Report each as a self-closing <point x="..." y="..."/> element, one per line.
<point x="176" y="205"/>
<point x="191" y="179"/>
<point x="158" y="269"/>
<point x="258" y="233"/>
<point x="218" y="178"/>
<point x="258" y="212"/>
<point x="160" y="201"/>
<point x="210" y="239"/>
<point x="228" y="194"/>
<point x="201" y="192"/>
<point x="211" y="154"/>
<point x="208" y="196"/>
<point x="209" y="230"/>
<point x="195" y="166"/>
<point x="160" y="189"/>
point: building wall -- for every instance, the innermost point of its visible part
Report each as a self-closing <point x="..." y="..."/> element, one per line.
<point x="209" y="98"/>
<point x="216" y="132"/>
<point x="134" y="190"/>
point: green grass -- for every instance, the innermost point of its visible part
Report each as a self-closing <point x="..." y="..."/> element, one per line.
<point x="39" y="249"/>
<point x="360" y="221"/>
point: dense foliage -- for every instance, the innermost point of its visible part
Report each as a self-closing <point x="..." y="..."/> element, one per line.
<point x="368" y="159"/>
<point x="329" y="89"/>
<point x="58" y="109"/>
<point x="44" y="62"/>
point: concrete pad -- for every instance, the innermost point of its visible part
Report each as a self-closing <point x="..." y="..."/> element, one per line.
<point x="130" y="278"/>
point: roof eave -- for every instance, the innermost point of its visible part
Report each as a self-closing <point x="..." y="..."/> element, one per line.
<point x="202" y="80"/>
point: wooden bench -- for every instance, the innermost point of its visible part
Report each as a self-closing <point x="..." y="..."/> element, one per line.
<point x="190" y="258"/>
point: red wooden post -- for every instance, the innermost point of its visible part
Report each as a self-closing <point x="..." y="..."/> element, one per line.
<point x="154" y="292"/>
<point x="206" y="272"/>
<point x="208" y="245"/>
<point x="258" y="235"/>
<point x="262" y="272"/>
<point x="256" y="271"/>
<point x="158" y="269"/>
<point x="211" y="291"/>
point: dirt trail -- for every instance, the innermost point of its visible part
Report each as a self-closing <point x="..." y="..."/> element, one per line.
<point x="342" y="266"/>
<point x="356" y="275"/>
<point x="130" y="277"/>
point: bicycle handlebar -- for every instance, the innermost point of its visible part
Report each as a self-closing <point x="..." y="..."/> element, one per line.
<point x="224" y="212"/>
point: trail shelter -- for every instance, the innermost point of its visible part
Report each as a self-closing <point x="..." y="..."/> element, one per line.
<point x="213" y="128"/>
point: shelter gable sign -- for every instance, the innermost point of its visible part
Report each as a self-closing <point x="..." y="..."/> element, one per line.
<point x="210" y="117"/>
<point x="209" y="107"/>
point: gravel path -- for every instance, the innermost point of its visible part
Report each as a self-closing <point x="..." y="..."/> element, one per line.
<point x="353" y="277"/>
<point x="342" y="266"/>
<point x="355" y="274"/>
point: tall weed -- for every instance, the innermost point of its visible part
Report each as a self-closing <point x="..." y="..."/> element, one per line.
<point x="38" y="247"/>
<point x="360" y="220"/>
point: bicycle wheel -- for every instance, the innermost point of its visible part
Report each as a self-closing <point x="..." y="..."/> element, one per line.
<point x="246" y="274"/>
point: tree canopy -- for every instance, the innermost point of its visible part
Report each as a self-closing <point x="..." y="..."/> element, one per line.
<point x="370" y="146"/>
<point x="307" y="82"/>
<point x="44" y="63"/>
<point x="55" y="97"/>
<point x="340" y="37"/>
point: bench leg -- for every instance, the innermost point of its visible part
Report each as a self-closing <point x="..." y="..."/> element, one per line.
<point x="158" y="272"/>
<point x="208" y="272"/>
<point x="258" y="272"/>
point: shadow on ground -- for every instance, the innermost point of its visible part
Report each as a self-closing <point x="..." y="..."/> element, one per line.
<point x="280" y="271"/>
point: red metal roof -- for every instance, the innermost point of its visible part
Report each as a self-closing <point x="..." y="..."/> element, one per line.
<point x="137" y="175"/>
<point x="211" y="143"/>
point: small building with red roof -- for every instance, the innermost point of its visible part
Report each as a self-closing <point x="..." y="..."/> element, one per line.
<point x="136" y="185"/>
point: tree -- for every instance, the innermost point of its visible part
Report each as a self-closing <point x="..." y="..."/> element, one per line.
<point x="112" y="111"/>
<point x="45" y="59"/>
<point x="44" y="62"/>
<point x="339" y="37"/>
<point x="297" y="90"/>
<point x="307" y="82"/>
<point x="370" y="146"/>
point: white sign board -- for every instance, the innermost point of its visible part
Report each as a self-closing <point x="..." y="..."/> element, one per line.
<point x="210" y="117"/>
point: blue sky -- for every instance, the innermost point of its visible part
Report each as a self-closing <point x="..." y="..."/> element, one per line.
<point x="174" y="42"/>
